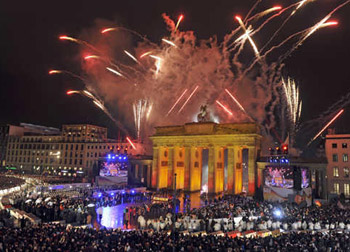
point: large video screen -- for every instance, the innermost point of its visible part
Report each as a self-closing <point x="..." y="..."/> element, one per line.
<point x="283" y="176"/>
<point x="279" y="176"/>
<point x="114" y="166"/>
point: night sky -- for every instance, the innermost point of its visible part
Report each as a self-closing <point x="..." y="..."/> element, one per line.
<point x="29" y="48"/>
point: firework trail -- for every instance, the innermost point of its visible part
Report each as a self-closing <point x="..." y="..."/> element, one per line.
<point x="292" y="97"/>
<point x="224" y="108"/>
<point x="188" y="99"/>
<point x="263" y="13"/>
<point x="131" y="56"/>
<point x="177" y="101"/>
<point x="256" y="51"/>
<point x="131" y="143"/>
<point x="145" y="54"/>
<point x="70" y="92"/>
<point x="91" y="57"/>
<point x="299" y="5"/>
<point x="320" y="24"/>
<point x="179" y="21"/>
<point x="114" y="71"/>
<point x="120" y="28"/>
<point x="142" y="110"/>
<point x="52" y="72"/>
<point x="183" y="62"/>
<point x="293" y="107"/>
<point x="169" y="42"/>
<point x="252" y="9"/>
<point x="79" y="41"/>
<point x="326" y="126"/>
<point x="238" y="103"/>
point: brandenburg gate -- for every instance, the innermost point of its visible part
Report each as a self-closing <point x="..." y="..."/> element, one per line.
<point x="181" y="150"/>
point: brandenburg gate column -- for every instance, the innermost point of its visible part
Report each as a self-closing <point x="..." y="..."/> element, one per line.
<point x="195" y="169"/>
<point x="170" y="167"/>
<point x="163" y="157"/>
<point x="216" y="169"/>
<point x="179" y="166"/>
<point x="155" y="167"/>
<point x="211" y="169"/>
<point x="219" y="169"/>
<point x="251" y="169"/>
<point x="187" y="168"/>
<point x="238" y="175"/>
<point x="230" y="170"/>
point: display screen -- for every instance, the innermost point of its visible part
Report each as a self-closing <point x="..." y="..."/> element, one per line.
<point x="283" y="176"/>
<point x="279" y="176"/>
<point x="116" y="166"/>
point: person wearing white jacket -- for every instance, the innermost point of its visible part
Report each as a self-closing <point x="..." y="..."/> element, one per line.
<point x="217" y="227"/>
<point x="274" y="226"/>
<point x="299" y="224"/>
<point x="311" y="225"/>
<point x="269" y="224"/>
<point x="142" y="222"/>
<point x="318" y="226"/>
<point x="285" y="226"/>
<point x="304" y="225"/>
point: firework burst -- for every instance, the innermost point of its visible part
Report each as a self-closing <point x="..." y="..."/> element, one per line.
<point x="147" y="89"/>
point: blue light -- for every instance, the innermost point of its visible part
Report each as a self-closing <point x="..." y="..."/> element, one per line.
<point x="113" y="157"/>
<point x="287" y="161"/>
<point x="277" y="213"/>
<point x="120" y="158"/>
<point x="282" y="160"/>
<point x="123" y="192"/>
<point x="100" y="195"/>
<point x="109" y="156"/>
<point x="124" y="158"/>
<point x="132" y="191"/>
<point x="112" y="194"/>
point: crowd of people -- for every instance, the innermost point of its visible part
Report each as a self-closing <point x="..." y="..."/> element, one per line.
<point x="239" y="213"/>
<point x="50" y="237"/>
<point x="228" y="213"/>
<point x="10" y="181"/>
<point x="73" y="206"/>
<point x="313" y="228"/>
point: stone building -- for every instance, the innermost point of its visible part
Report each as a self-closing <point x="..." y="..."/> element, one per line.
<point x="219" y="156"/>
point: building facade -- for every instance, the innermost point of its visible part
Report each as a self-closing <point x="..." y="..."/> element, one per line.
<point x="337" y="149"/>
<point x="7" y="131"/>
<point x="225" y="153"/>
<point x="73" y="152"/>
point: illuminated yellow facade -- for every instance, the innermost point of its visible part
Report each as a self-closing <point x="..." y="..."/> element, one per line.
<point x="179" y="149"/>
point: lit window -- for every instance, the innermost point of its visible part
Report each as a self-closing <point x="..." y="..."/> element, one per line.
<point x="335" y="157"/>
<point x="336" y="172"/>
<point x="336" y="188"/>
<point x="347" y="189"/>
<point x="334" y="145"/>
<point x="344" y="145"/>
<point x="345" y="157"/>
<point x="346" y="172"/>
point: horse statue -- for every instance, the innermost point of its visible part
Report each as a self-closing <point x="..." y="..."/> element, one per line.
<point x="203" y="115"/>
